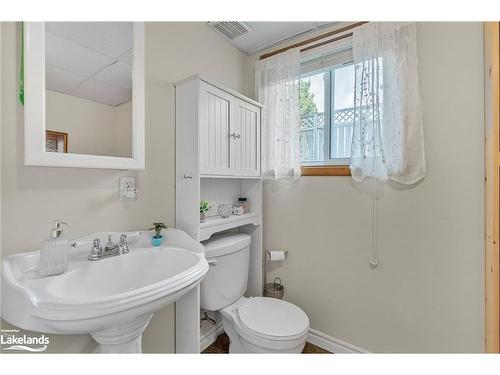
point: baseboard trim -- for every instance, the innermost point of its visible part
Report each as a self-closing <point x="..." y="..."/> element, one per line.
<point x="332" y="344"/>
<point x="315" y="337"/>
<point x="209" y="338"/>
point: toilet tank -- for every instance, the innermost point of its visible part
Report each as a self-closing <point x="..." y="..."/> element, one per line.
<point x="227" y="277"/>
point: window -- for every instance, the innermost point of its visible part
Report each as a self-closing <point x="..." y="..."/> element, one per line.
<point x="326" y="110"/>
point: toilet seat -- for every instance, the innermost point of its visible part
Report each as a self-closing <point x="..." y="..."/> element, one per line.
<point x="272" y="319"/>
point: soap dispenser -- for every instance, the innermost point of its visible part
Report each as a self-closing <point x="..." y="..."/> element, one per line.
<point x="54" y="253"/>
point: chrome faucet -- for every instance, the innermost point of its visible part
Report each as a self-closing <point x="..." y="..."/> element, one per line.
<point x="110" y="249"/>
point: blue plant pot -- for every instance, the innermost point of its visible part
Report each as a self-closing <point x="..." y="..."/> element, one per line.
<point x="156" y="241"/>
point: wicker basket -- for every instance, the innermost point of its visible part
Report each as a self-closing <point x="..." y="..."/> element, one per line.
<point x="275" y="289"/>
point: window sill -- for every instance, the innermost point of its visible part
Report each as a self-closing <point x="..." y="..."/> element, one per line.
<point x="326" y="170"/>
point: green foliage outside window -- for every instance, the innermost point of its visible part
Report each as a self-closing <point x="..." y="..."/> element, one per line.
<point x="306" y="99"/>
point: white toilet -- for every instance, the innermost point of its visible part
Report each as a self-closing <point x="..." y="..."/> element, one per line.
<point x="255" y="324"/>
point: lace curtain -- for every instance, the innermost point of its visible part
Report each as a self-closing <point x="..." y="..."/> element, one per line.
<point x="277" y="87"/>
<point x="388" y="142"/>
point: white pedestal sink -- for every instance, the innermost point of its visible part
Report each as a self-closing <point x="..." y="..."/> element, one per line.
<point x="112" y="299"/>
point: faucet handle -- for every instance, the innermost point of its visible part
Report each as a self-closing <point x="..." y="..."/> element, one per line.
<point x="124" y="244"/>
<point x="96" y="250"/>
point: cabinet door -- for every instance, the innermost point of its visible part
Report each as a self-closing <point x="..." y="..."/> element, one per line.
<point x="244" y="139"/>
<point x="215" y="119"/>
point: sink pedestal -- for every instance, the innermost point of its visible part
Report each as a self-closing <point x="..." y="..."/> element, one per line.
<point x="125" y="338"/>
<point x="187" y="322"/>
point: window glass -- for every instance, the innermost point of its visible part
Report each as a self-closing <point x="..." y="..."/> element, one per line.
<point x="327" y="114"/>
<point x="312" y="116"/>
<point x="342" y="112"/>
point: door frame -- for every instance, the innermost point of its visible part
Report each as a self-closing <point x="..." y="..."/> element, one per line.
<point x="492" y="191"/>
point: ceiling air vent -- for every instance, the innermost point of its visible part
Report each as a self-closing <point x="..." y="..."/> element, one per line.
<point x="230" y="29"/>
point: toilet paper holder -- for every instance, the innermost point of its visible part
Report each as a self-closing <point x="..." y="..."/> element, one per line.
<point x="268" y="254"/>
<point x="272" y="289"/>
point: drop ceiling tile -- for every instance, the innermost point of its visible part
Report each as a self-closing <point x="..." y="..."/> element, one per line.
<point x="325" y="23"/>
<point x="61" y="80"/>
<point x="72" y="57"/>
<point x="110" y="38"/>
<point x="265" y="34"/>
<point x="102" y="92"/>
<point x="118" y="74"/>
<point x="127" y="57"/>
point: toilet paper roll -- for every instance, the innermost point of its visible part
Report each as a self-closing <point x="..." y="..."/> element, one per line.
<point x="276" y="255"/>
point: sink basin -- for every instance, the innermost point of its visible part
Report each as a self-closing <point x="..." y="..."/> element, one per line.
<point x="113" y="299"/>
<point x="146" y="269"/>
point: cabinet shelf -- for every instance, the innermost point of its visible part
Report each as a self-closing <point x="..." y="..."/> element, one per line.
<point x="216" y="224"/>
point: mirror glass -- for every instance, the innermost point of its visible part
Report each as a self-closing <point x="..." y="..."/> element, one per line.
<point x="88" y="82"/>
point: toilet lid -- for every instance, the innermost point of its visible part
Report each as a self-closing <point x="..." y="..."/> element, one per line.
<point x="273" y="318"/>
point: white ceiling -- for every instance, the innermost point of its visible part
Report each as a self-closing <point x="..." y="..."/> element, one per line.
<point x="265" y="34"/>
<point x="91" y="60"/>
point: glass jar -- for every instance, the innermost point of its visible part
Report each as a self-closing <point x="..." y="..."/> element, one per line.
<point x="238" y="209"/>
<point x="224" y="210"/>
<point x="241" y="206"/>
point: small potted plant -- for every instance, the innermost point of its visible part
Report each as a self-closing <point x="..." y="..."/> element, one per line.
<point x="158" y="237"/>
<point x="204" y="207"/>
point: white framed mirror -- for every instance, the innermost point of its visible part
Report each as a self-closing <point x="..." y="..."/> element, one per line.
<point x="84" y="95"/>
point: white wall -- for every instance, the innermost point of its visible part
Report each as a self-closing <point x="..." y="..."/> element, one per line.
<point x="33" y="196"/>
<point x="427" y="295"/>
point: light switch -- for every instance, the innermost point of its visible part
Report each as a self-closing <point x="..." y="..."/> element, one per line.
<point x="128" y="192"/>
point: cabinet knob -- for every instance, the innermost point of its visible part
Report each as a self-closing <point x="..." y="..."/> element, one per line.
<point x="235" y="136"/>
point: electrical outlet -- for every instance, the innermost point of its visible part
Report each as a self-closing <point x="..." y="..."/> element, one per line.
<point x="128" y="192"/>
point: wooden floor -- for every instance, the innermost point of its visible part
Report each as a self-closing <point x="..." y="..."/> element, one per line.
<point x="221" y="346"/>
